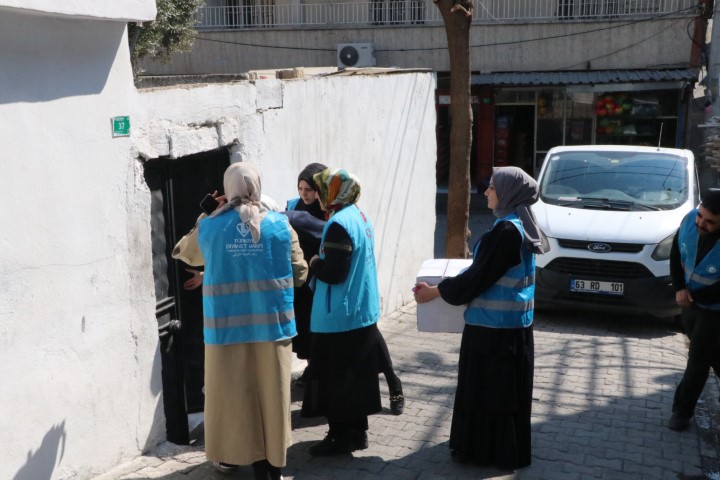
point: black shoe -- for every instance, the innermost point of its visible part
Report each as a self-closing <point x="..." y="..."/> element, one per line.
<point x="264" y="470"/>
<point x="224" y="467"/>
<point x="397" y="400"/>
<point x="358" y="440"/>
<point x="275" y="473"/>
<point x="397" y="404"/>
<point x="458" y="457"/>
<point x="331" y="445"/>
<point x="260" y="469"/>
<point x="678" y="422"/>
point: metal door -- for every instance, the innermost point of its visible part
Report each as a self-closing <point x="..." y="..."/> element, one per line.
<point x="177" y="187"/>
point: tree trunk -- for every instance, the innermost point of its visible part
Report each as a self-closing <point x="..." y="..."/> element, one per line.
<point x="457" y="27"/>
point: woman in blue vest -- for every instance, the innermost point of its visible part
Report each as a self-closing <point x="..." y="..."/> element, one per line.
<point x="491" y="416"/>
<point x="252" y="260"/>
<point x="308" y="220"/>
<point x="343" y="384"/>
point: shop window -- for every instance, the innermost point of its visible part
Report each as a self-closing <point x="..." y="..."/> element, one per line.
<point x="579" y="123"/>
<point x="637" y="118"/>
<point x="550" y="105"/>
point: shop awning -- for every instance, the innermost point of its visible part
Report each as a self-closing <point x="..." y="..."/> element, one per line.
<point x="596" y="77"/>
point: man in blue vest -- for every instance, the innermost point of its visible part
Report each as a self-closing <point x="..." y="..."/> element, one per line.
<point x="695" y="270"/>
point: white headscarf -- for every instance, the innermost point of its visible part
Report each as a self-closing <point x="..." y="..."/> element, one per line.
<point x="243" y="186"/>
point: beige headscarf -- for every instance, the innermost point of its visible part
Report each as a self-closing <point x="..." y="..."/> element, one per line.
<point x="243" y="186"/>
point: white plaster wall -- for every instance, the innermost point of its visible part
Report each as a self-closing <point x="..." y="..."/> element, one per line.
<point x="382" y="128"/>
<point x="126" y="10"/>
<point x="80" y="385"/>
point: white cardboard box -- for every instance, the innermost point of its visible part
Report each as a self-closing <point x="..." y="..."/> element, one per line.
<point x="437" y="315"/>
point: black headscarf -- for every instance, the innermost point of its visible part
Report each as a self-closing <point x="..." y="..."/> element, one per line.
<point x="307" y="175"/>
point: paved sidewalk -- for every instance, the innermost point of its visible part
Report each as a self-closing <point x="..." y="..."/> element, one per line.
<point x="602" y="397"/>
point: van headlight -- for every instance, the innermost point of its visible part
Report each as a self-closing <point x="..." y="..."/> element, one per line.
<point x="662" y="251"/>
<point x="545" y="243"/>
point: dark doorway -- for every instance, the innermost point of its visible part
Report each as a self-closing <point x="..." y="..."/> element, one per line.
<point x="442" y="131"/>
<point x="177" y="187"/>
<point x="515" y="136"/>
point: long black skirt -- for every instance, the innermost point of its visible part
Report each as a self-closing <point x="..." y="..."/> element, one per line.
<point x="303" y="299"/>
<point x="343" y="384"/>
<point x="491" y="416"/>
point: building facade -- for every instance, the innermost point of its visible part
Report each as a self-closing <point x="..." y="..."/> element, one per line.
<point x="545" y="72"/>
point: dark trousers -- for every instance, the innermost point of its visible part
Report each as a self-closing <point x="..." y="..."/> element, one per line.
<point x="703" y="328"/>
<point x="386" y="366"/>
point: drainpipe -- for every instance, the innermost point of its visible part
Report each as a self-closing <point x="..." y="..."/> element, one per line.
<point x="713" y="61"/>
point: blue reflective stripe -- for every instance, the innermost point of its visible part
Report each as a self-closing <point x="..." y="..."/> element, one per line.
<point x="505" y="305"/>
<point x="245" y="287"/>
<point x="511" y="282"/>
<point x="248" y="320"/>
<point x="256" y="303"/>
<point x="260" y="333"/>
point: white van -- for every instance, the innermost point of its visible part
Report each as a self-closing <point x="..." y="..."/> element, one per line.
<point x="610" y="213"/>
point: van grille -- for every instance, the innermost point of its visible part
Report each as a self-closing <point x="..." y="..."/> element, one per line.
<point x="616" y="247"/>
<point x="598" y="269"/>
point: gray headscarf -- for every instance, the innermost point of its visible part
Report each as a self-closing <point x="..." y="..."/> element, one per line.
<point x="243" y="191"/>
<point x="516" y="191"/>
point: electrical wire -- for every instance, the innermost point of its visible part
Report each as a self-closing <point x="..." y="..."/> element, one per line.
<point x="627" y="47"/>
<point x="494" y="44"/>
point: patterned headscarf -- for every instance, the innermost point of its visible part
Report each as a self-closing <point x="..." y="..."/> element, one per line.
<point x="337" y="188"/>
<point x="516" y="191"/>
<point x="242" y="189"/>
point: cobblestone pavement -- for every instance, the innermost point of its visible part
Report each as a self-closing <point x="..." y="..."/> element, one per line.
<point x="601" y="402"/>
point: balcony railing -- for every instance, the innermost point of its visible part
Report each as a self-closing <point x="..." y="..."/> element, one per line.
<point x="424" y="12"/>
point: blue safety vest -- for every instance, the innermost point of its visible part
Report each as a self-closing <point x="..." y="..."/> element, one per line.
<point x="247" y="287"/>
<point x="707" y="272"/>
<point x="355" y="302"/>
<point x="509" y="302"/>
<point x="292" y="203"/>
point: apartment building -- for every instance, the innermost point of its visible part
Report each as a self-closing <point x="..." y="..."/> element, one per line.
<point x="544" y="72"/>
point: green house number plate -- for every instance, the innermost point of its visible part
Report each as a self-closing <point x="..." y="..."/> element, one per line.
<point x="121" y="126"/>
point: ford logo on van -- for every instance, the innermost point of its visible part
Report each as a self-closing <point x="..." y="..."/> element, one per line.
<point x="599" y="247"/>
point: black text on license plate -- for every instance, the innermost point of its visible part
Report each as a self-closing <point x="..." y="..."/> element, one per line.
<point x="596" y="286"/>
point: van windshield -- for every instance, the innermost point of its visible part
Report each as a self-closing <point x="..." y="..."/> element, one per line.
<point x="636" y="181"/>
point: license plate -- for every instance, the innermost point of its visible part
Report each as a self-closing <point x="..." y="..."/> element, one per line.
<point x="596" y="286"/>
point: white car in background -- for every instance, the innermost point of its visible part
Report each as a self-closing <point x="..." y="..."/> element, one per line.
<point x="610" y="213"/>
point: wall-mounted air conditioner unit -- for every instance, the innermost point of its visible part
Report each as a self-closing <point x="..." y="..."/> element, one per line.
<point x="355" y="55"/>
